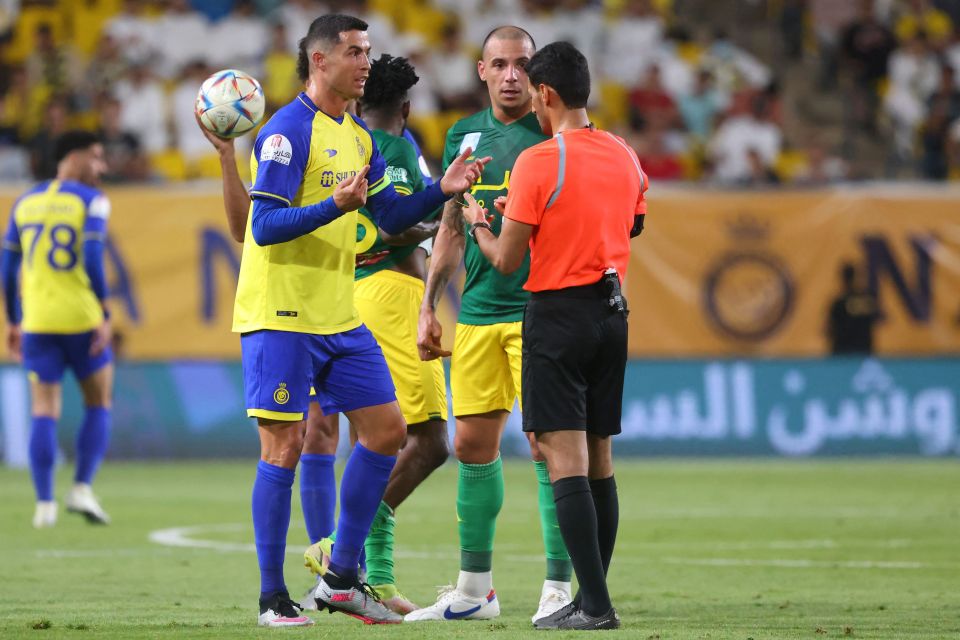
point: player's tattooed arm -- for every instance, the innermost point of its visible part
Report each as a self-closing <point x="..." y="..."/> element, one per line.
<point x="453" y="216"/>
<point x="447" y="254"/>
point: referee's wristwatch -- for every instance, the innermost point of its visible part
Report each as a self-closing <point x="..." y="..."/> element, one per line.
<point x="483" y="224"/>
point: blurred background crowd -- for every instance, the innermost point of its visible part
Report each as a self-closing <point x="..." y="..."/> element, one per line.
<point x="703" y="89"/>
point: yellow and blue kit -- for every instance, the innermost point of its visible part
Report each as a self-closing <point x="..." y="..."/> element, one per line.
<point x="297" y="271"/>
<point x="54" y="243"/>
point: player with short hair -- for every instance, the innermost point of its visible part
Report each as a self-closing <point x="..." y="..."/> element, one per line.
<point x="54" y="243"/>
<point x="314" y="165"/>
<point x="390" y="270"/>
<point x="485" y="369"/>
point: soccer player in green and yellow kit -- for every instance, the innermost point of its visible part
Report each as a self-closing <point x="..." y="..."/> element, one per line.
<point x="485" y="370"/>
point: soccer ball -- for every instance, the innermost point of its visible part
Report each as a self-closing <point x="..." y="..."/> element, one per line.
<point x="230" y="103"/>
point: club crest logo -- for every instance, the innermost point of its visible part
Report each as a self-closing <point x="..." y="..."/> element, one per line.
<point x="281" y="395"/>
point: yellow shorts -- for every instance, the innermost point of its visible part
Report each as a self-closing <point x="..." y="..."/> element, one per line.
<point x="485" y="368"/>
<point x="389" y="304"/>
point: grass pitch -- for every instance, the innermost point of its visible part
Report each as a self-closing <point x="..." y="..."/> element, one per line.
<point x="707" y="550"/>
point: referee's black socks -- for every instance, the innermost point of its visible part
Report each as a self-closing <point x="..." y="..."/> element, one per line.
<point x="577" y="517"/>
<point x="608" y="516"/>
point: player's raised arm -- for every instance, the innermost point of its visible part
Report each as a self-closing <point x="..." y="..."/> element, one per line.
<point x="395" y="214"/>
<point x="236" y="199"/>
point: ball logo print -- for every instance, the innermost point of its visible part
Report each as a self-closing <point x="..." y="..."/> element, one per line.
<point x="281" y="395"/>
<point x="230" y="103"/>
<point x="276" y="148"/>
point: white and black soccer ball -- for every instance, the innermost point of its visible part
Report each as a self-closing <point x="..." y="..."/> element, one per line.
<point x="230" y="103"/>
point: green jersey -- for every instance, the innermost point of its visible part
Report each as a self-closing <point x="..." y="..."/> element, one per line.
<point x="403" y="168"/>
<point x="490" y="297"/>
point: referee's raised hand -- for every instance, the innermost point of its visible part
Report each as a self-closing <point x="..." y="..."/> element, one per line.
<point x="351" y="194"/>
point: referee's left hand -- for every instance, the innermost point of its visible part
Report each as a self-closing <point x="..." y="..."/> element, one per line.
<point x="473" y="212"/>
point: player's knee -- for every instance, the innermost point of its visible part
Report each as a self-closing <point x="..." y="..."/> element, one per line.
<point x="472" y="450"/>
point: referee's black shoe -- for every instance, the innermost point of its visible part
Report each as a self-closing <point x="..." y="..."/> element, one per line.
<point x="572" y="618"/>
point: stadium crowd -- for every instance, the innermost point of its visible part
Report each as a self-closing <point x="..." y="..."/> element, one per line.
<point x="697" y="102"/>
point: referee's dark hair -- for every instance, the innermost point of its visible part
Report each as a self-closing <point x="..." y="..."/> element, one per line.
<point x="72" y="141"/>
<point x="326" y="29"/>
<point x="387" y="85"/>
<point x="562" y="67"/>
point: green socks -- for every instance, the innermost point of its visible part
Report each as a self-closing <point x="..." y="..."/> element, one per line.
<point x="559" y="567"/>
<point x="379" y="547"/>
<point x="479" y="499"/>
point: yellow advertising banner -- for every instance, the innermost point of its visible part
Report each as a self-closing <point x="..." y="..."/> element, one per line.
<point x="714" y="273"/>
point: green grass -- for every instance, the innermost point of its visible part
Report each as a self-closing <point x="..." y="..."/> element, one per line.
<point x="707" y="549"/>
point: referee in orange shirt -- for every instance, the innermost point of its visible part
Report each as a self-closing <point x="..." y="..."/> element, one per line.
<point x="576" y="200"/>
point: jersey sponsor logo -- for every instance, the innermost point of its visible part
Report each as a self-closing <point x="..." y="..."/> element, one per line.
<point x="281" y="395"/>
<point x="398" y="174"/>
<point x="329" y="178"/>
<point x="470" y="140"/>
<point x="287" y="314"/>
<point x="330" y="152"/>
<point x="276" y="148"/>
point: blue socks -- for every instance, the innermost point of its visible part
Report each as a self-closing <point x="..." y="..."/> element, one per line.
<point x="271" y="520"/>
<point x="92" y="443"/>
<point x="318" y="494"/>
<point x="361" y="490"/>
<point x="43" y="455"/>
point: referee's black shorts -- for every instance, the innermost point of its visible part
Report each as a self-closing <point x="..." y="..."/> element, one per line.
<point x="574" y="357"/>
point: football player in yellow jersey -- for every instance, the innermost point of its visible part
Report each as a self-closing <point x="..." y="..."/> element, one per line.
<point x="389" y="285"/>
<point x="58" y="319"/>
<point x="314" y="165"/>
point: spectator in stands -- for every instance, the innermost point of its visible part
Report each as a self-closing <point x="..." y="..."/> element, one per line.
<point x="294" y="14"/>
<point x="852" y="316"/>
<point x="829" y="18"/>
<point x="746" y="131"/>
<point x="953" y="149"/>
<point x="106" y="66"/>
<point x="699" y="109"/>
<point x="53" y="66"/>
<point x="124" y="158"/>
<point x="943" y="108"/>
<point x="182" y="37"/>
<point x="866" y="47"/>
<point x="921" y="16"/>
<point x="657" y="160"/>
<point x="734" y="68"/>
<point x="632" y="42"/>
<point x="651" y="105"/>
<point x="279" y="81"/>
<point x="188" y="139"/>
<point x="15" y="107"/>
<point x="240" y="40"/>
<point x="43" y="158"/>
<point x="134" y="32"/>
<point x="914" y="75"/>
<point x="455" y="72"/>
<point x="143" y="108"/>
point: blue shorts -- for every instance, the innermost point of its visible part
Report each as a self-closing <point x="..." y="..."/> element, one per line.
<point x="346" y="369"/>
<point x="47" y="355"/>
